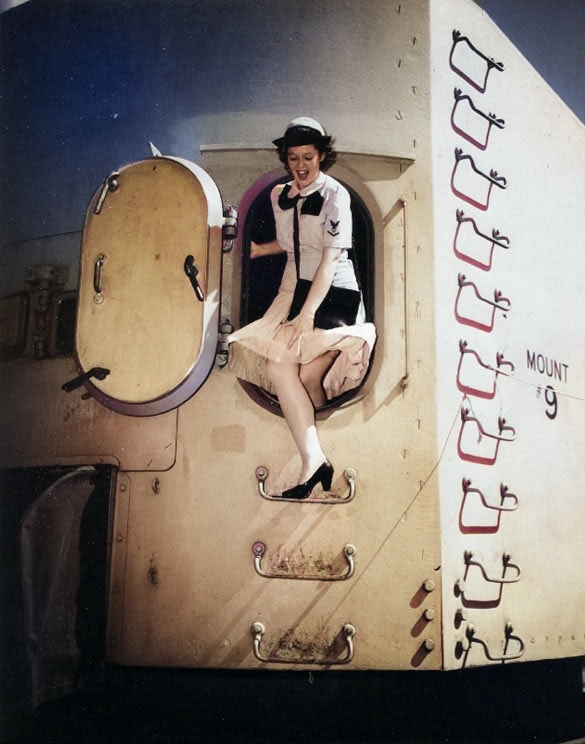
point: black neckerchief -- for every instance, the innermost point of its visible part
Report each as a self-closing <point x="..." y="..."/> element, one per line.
<point x="312" y="205"/>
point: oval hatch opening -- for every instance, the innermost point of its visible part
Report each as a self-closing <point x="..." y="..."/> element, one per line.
<point x="261" y="277"/>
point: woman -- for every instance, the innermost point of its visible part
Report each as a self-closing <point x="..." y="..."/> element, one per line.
<point x="291" y="351"/>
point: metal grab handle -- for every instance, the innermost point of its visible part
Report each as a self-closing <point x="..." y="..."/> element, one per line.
<point x="490" y="62"/>
<point x="100" y="373"/>
<point x="501" y="240"/>
<point x="492" y="178"/>
<point x="463" y="647"/>
<point x="482" y="459"/>
<point x="328" y="497"/>
<point x="502" y="427"/>
<point x="348" y="632"/>
<point x="498" y="303"/>
<point x="503" y="579"/>
<point x="259" y="548"/>
<point x="490" y="118"/>
<point x="460" y="586"/>
<point x="495" y="239"/>
<point x="500" y="362"/>
<point x="505" y="495"/>
<point x="191" y="270"/>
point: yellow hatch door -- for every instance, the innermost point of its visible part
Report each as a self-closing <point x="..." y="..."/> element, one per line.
<point x="150" y="285"/>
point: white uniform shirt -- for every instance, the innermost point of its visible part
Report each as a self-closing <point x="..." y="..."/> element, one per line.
<point x="331" y="228"/>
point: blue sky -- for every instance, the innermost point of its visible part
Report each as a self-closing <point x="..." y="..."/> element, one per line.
<point x="551" y="35"/>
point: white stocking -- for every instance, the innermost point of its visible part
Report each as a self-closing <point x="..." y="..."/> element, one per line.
<point x="299" y="414"/>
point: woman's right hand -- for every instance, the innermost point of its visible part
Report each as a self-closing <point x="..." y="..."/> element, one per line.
<point x="295" y="328"/>
<point x="264" y="249"/>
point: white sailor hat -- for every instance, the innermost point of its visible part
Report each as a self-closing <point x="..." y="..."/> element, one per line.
<point x="303" y="131"/>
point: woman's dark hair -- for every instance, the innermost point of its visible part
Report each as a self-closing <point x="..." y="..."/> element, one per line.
<point x="301" y="135"/>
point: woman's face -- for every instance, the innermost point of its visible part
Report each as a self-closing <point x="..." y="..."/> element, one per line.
<point x="304" y="163"/>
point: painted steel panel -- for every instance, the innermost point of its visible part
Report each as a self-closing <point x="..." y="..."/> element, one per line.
<point x="187" y="586"/>
<point x="51" y="427"/>
<point x="508" y="193"/>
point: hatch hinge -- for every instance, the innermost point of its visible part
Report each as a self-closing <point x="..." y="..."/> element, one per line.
<point x="45" y="282"/>
<point x="221" y="356"/>
<point x="229" y="230"/>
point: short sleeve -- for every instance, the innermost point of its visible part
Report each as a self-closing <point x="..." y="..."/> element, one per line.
<point x="337" y="228"/>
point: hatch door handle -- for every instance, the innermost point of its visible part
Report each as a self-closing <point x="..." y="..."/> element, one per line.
<point x="97" y="274"/>
<point x="100" y="373"/>
<point x="191" y="270"/>
<point x="110" y="184"/>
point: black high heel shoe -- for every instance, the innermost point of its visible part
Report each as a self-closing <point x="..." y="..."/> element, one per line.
<point x="323" y="475"/>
